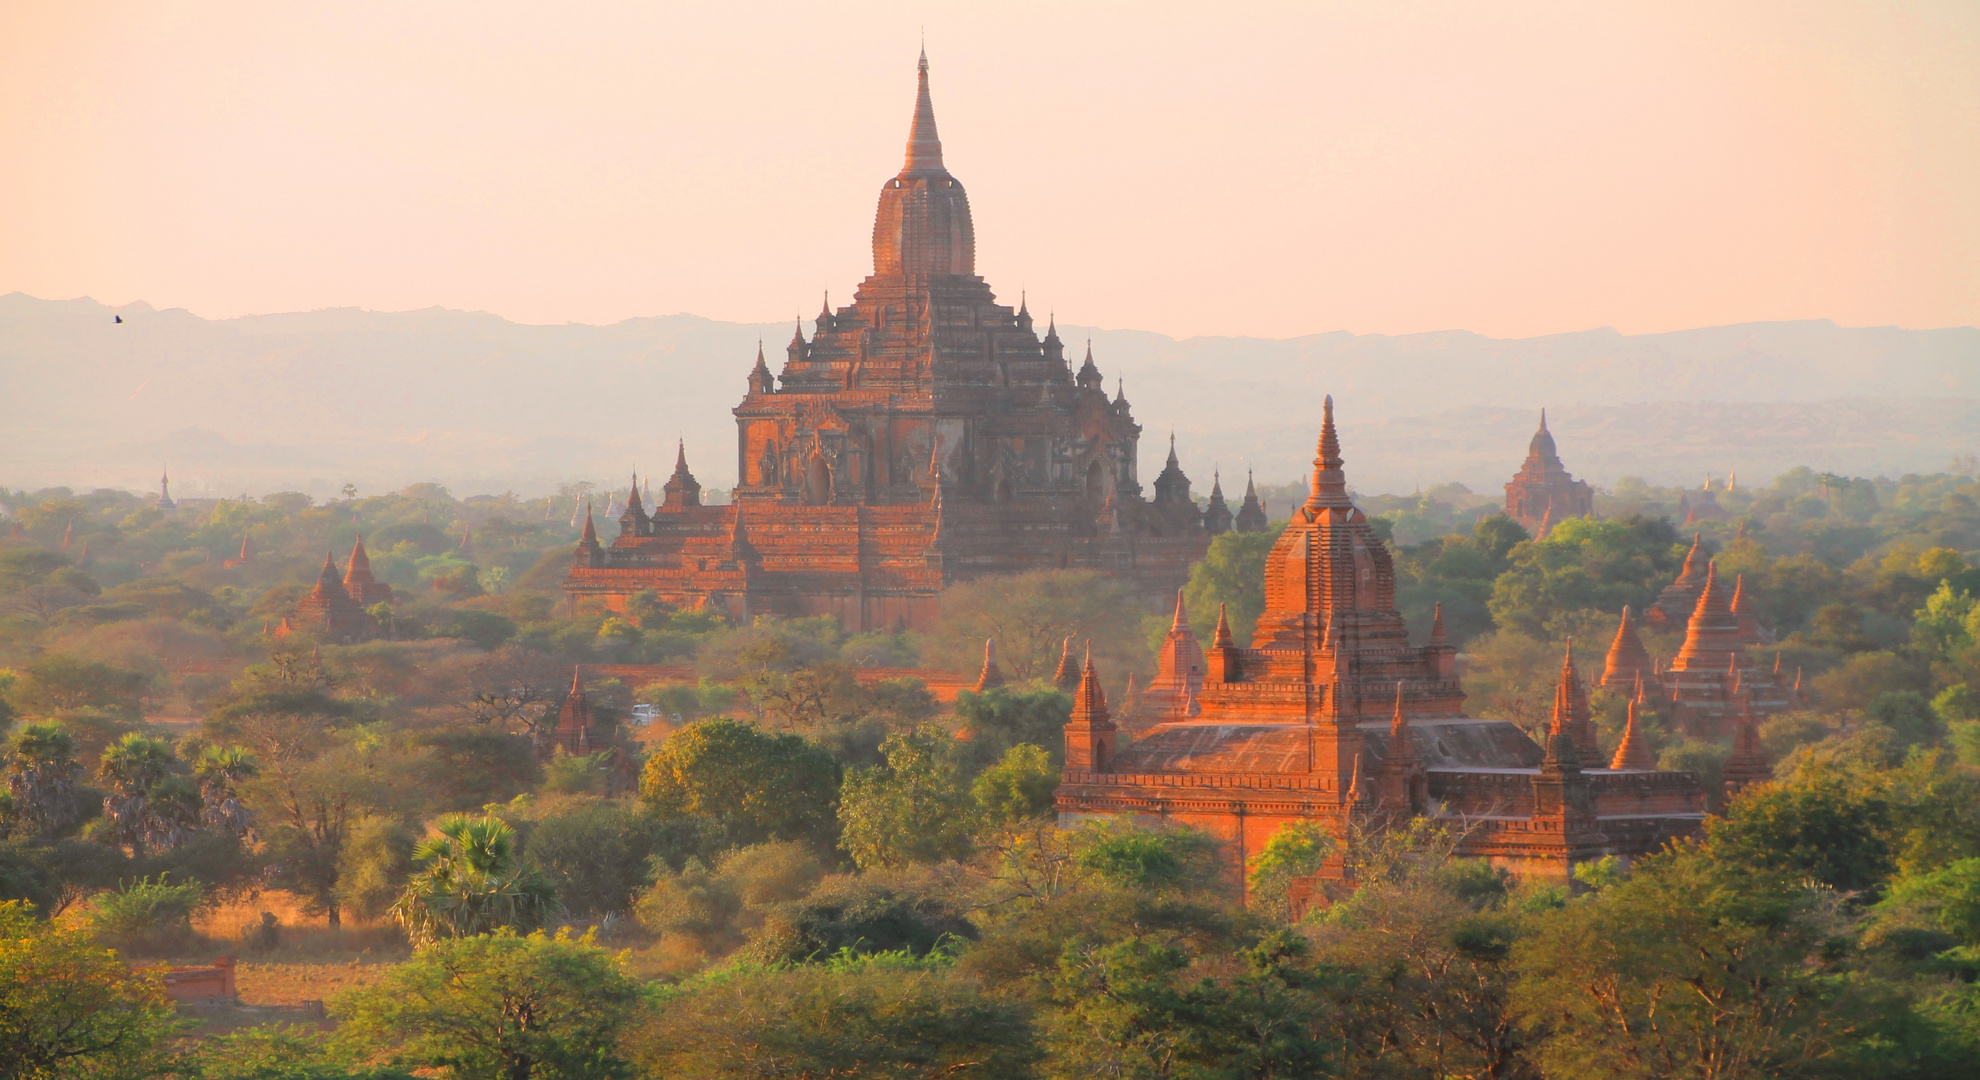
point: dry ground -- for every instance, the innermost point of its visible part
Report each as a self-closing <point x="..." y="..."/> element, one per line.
<point x="310" y="964"/>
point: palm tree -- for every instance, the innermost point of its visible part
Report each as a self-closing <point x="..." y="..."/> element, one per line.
<point x="43" y="777"/>
<point x="220" y="771"/>
<point x="473" y="883"/>
<point x="133" y="766"/>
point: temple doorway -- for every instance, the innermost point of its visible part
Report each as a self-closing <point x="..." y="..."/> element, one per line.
<point x="817" y="482"/>
<point x="1096" y="482"/>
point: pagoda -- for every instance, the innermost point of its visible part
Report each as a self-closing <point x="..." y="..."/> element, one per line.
<point x="329" y="612"/>
<point x="1543" y="494"/>
<point x="923" y="435"/>
<point x="1331" y="714"/>
<point x="358" y="582"/>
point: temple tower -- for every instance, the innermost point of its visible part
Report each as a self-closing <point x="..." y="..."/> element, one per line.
<point x="1543" y="494"/>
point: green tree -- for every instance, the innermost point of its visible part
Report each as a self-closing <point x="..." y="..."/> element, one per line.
<point x="220" y="771"/>
<point x="1584" y="564"/>
<point x="44" y="778"/>
<point x="914" y="808"/>
<point x="1296" y="849"/>
<point x="144" y="810"/>
<point x="1425" y="942"/>
<point x="283" y="1052"/>
<point x="471" y="881"/>
<point x="1030" y="616"/>
<point x="595" y="854"/>
<point x="863" y="914"/>
<point x="311" y="782"/>
<point x="884" y="1017"/>
<point x="1232" y="574"/>
<point x="1841" y="834"/>
<point x="1002" y="717"/>
<point x="1130" y="856"/>
<point x="1943" y="624"/>
<point x="1692" y="966"/>
<point x="1018" y="788"/>
<point x="69" y="1008"/>
<point x="501" y="1006"/>
<point x="57" y="683"/>
<point x="756" y="786"/>
<point x="373" y="865"/>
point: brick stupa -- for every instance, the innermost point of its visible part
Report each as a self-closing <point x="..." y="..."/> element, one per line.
<point x="924" y="435"/>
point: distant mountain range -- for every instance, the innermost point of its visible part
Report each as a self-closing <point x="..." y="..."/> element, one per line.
<point x="313" y="400"/>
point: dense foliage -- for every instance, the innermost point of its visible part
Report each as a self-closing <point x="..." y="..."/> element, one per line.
<point x="803" y="870"/>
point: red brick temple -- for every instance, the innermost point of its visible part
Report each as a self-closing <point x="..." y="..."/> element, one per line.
<point x="1332" y="714"/>
<point x="924" y="435"/>
<point x="1543" y="494"/>
<point x="1713" y="684"/>
<point x="329" y="612"/>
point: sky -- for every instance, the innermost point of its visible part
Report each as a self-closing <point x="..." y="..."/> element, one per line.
<point x="1511" y="168"/>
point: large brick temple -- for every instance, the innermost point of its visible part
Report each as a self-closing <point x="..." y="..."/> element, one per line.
<point x="924" y="435"/>
<point x="1331" y="714"/>
<point x="1543" y="493"/>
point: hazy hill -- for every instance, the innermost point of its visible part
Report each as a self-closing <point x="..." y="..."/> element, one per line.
<point x="380" y="399"/>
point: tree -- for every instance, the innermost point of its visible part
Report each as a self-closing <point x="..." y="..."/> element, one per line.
<point x="69" y="1008"/>
<point x="57" y="683"/>
<point x="915" y="808"/>
<point x="1296" y="849"/>
<point x="885" y="1017"/>
<point x="1583" y="564"/>
<point x="754" y="785"/>
<point x="305" y="792"/>
<point x="472" y="882"/>
<point x="373" y="865"/>
<point x="220" y="770"/>
<point x="1003" y="717"/>
<point x="1141" y="1007"/>
<point x="1231" y="573"/>
<point x="1030" y="616"/>
<point x="500" y="1005"/>
<point x="1692" y="966"/>
<point x="595" y="854"/>
<point x="145" y="808"/>
<point x="1425" y="941"/>
<point x="1018" y="788"/>
<point x="1823" y="827"/>
<point x="283" y="1052"/>
<point x="862" y="914"/>
<point x="43" y="778"/>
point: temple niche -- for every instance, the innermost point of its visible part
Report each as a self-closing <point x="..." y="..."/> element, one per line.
<point x="1333" y="715"/>
<point x="1543" y="493"/>
<point x="922" y="435"/>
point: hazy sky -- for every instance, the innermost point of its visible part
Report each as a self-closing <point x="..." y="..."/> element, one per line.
<point x="1511" y="168"/>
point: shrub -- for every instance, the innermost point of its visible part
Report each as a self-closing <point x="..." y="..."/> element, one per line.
<point x="148" y="915"/>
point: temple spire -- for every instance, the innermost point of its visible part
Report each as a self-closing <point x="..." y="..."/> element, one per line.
<point x="1089" y="701"/>
<point x="1181" y="621"/>
<point x="1066" y="677"/>
<point x="924" y="147"/>
<point x="991" y="674"/>
<point x="1329" y="482"/>
<point x="1221" y="639"/>
<point x="1633" y="753"/>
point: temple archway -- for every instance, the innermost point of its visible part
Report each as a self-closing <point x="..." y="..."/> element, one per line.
<point x="817" y="481"/>
<point x="1096" y="482"/>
